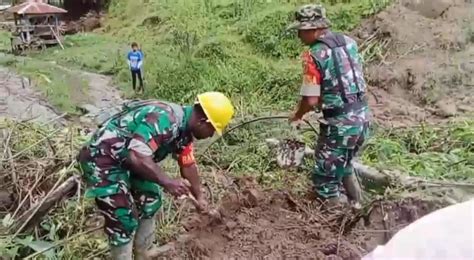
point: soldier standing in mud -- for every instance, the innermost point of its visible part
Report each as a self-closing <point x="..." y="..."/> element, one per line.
<point x="119" y="162"/>
<point x="334" y="84"/>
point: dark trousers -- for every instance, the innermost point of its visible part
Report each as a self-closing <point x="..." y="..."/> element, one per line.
<point x="135" y="74"/>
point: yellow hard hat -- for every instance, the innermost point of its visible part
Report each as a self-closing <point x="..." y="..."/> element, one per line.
<point x="218" y="109"/>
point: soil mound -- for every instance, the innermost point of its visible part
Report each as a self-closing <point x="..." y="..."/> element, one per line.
<point x="425" y="72"/>
<point x="275" y="225"/>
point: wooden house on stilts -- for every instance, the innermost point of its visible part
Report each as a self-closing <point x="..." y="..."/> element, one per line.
<point x="36" y="26"/>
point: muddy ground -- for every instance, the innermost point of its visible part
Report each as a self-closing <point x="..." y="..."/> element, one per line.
<point x="260" y="224"/>
<point x="19" y="100"/>
<point x="425" y="72"/>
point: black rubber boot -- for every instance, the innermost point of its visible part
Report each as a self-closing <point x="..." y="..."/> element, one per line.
<point x="144" y="238"/>
<point x="354" y="192"/>
<point x="122" y="252"/>
<point x="338" y="201"/>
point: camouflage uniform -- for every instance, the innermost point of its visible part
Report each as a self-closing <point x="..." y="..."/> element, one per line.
<point x="333" y="71"/>
<point x="150" y="128"/>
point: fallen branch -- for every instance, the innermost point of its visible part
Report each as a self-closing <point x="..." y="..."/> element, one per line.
<point x="387" y="235"/>
<point x="41" y="208"/>
<point x="341" y="233"/>
<point x="387" y="178"/>
<point x="26" y="197"/>
<point x="369" y="174"/>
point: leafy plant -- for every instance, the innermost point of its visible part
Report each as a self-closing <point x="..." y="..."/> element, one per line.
<point x="238" y="47"/>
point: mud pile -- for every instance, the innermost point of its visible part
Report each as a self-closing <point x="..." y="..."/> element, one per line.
<point x="425" y="72"/>
<point x="275" y="225"/>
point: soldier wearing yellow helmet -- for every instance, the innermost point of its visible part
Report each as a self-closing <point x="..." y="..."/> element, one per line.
<point x="120" y="164"/>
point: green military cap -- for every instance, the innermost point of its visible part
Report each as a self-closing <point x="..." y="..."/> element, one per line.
<point x="311" y="16"/>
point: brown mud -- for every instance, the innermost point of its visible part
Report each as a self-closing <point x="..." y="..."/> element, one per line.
<point x="260" y="224"/>
<point x="425" y="72"/>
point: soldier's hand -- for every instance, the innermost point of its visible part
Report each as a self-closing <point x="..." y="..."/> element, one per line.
<point x="176" y="188"/>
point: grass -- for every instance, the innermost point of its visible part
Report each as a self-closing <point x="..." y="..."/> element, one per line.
<point x="4" y="41"/>
<point x="89" y="52"/>
<point x="438" y="153"/>
<point x="430" y="152"/>
<point x="63" y="89"/>
<point x="427" y="151"/>
<point x="237" y="47"/>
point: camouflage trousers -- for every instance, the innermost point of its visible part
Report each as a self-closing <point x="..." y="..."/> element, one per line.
<point x="121" y="197"/>
<point x="336" y="147"/>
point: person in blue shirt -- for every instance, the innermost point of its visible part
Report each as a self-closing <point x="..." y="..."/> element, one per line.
<point x="135" y="62"/>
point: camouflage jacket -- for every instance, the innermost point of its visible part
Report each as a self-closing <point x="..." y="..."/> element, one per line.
<point x="322" y="67"/>
<point x="152" y="128"/>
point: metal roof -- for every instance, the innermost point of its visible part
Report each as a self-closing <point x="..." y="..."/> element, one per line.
<point x="35" y="7"/>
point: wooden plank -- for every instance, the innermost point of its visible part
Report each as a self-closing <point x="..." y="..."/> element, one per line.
<point x="53" y="41"/>
<point x="57" y="37"/>
<point x="47" y="33"/>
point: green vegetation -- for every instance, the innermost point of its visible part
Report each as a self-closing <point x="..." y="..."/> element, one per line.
<point x="4" y="41"/>
<point x="442" y="153"/>
<point x="62" y="88"/>
<point x="426" y="151"/>
<point x="432" y="153"/>
<point x="238" y="47"/>
<point x="90" y="52"/>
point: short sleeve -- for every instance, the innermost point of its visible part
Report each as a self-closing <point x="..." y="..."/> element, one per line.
<point x="186" y="156"/>
<point x="311" y="86"/>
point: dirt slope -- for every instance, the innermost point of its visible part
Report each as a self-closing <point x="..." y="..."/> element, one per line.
<point x="102" y="101"/>
<point x="426" y="74"/>
<point x="276" y="225"/>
